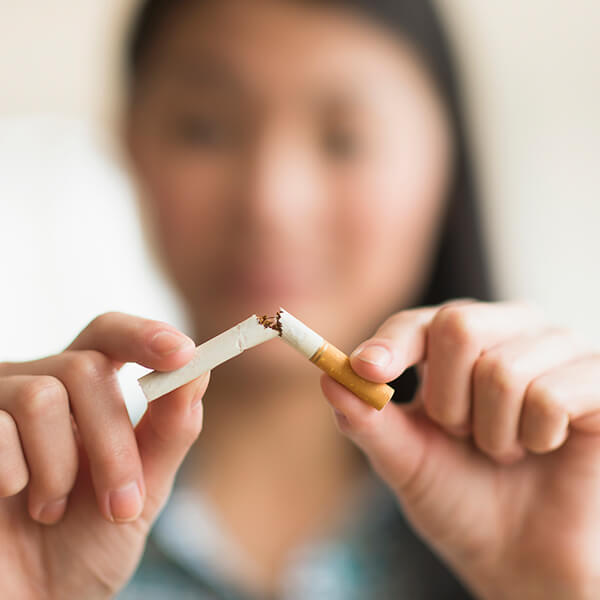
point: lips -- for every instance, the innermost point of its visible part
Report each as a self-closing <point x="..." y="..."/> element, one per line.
<point x="269" y="286"/>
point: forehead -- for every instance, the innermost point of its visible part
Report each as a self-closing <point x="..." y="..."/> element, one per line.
<point x="255" y="44"/>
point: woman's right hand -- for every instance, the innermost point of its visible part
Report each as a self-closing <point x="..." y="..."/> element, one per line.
<point x="80" y="486"/>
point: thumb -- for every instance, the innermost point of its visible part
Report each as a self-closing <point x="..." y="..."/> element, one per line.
<point x="165" y="434"/>
<point x="394" y="439"/>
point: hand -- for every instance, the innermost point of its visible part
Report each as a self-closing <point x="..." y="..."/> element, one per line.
<point x="81" y="487"/>
<point x="497" y="460"/>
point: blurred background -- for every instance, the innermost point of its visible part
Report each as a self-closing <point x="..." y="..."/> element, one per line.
<point x="69" y="238"/>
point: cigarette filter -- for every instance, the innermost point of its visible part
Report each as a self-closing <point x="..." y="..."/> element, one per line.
<point x="329" y="359"/>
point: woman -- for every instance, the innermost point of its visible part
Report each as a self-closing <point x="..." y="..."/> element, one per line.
<point x="308" y="155"/>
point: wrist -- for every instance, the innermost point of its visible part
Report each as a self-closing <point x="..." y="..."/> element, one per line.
<point x="535" y="588"/>
<point x="495" y="581"/>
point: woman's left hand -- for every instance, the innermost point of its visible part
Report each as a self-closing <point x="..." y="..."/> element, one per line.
<point x="497" y="460"/>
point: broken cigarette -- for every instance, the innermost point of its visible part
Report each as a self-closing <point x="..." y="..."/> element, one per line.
<point x="207" y="356"/>
<point x="257" y="330"/>
<point x="328" y="358"/>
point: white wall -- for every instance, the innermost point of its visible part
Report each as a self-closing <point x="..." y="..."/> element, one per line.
<point x="532" y="76"/>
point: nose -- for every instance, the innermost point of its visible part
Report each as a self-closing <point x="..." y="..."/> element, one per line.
<point x="282" y="190"/>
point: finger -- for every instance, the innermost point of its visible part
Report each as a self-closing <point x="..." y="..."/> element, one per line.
<point x="567" y="396"/>
<point x="126" y="338"/>
<point x="455" y="339"/>
<point x="399" y="343"/>
<point x="500" y="379"/>
<point x="14" y="475"/>
<point x="40" y="408"/>
<point x="450" y="338"/>
<point x="106" y="433"/>
<point x="165" y="434"/>
<point x="389" y="438"/>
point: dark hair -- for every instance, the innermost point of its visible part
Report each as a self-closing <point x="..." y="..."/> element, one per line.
<point x="459" y="268"/>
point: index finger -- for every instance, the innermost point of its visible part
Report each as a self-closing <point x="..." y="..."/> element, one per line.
<point x="399" y="343"/>
<point x="125" y="338"/>
<point x="409" y="338"/>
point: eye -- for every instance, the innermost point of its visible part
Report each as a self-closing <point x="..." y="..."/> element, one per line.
<point x="340" y="144"/>
<point x="203" y="132"/>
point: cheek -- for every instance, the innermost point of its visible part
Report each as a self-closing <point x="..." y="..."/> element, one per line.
<point x="391" y="218"/>
<point x="188" y="202"/>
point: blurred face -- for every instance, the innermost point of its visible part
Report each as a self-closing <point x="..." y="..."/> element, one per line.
<point x="290" y="154"/>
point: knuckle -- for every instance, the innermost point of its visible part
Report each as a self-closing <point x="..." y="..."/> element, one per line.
<point x="178" y="427"/>
<point x="101" y="321"/>
<point x="14" y="475"/>
<point x="119" y="458"/>
<point x="395" y="320"/>
<point x="41" y="395"/>
<point x="496" y="447"/>
<point x="90" y="364"/>
<point x="343" y="424"/>
<point x="366" y="425"/>
<point x="543" y="445"/>
<point x="54" y="483"/>
<point x="8" y="429"/>
<point x="189" y="432"/>
<point x="147" y="329"/>
<point x="13" y="481"/>
<point x="498" y="375"/>
<point x="535" y="445"/>
<point x="453" y="326"/>
<point x="575" y="340"/>
<point x="545" y="421"/>
<point x="488" y="444"/>
<point x="543" y="400"/>
<point x="441" y="410"/>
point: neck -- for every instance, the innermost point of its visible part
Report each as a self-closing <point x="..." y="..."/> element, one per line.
<point x="273" y="463"/>
<point x="280" y="428"/>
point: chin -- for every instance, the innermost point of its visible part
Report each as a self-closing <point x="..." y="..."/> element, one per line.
<point x="264" y="366"/>
<point x="332" y="316"/>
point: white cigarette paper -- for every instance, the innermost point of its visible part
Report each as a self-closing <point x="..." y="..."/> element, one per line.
<point x="330" y="359"/>
<point x="210" y="354"/>
<point x="254" y="331"/>
<point x="298" y="335"/>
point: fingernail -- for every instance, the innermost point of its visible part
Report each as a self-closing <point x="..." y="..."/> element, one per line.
<point x="165" y="343"/>
<point x="50" y="513"/>
<point x="373" y="354"/>
<point x="126" y="503"/>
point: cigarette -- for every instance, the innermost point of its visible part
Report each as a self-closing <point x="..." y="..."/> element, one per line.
<point x="328" y="358"/>
<point x="257" y="330"/>
<point x="207" y="356"/>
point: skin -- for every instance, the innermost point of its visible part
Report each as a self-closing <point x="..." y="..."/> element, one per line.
<point x="103" y="485"/>
<point x="265" y="186"/>
<point x="312" y="187"/>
